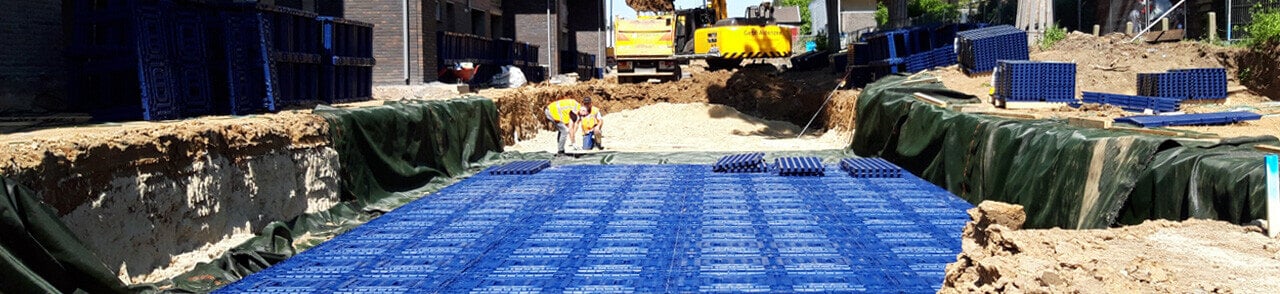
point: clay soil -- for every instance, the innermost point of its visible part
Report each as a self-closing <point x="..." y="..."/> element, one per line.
<point x="1194" y="256"/>
<point x="1110" y="64"/>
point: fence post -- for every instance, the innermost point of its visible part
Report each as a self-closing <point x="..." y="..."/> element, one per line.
<point x="1213" y="26"/>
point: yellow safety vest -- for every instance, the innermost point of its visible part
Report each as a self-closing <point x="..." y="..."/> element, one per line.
<point x="589" y="122"/>
<point x="561" y="108"/>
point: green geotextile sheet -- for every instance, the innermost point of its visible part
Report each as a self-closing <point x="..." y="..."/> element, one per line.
<point x="38" y="254"/>
<point x="1064" y="176"/>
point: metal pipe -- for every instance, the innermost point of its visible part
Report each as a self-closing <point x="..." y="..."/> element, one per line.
<point x="1229" y="4"/>
<point x="1166" y="13"/>
<point x="550" y="60"/>
<point x="404" y="19"/>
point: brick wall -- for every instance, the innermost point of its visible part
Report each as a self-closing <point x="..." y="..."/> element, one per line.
<point x="32" y="68"/>
<point x="526" y="21"/>
<point x="388" y="39"/>
<point x="587" y="27"/>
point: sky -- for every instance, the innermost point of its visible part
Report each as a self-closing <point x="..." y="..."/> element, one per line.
<point x="736" y="7"/>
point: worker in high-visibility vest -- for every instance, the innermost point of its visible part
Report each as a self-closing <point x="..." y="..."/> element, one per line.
<point x="591" y="122"/>
<point x="564" y="114"/>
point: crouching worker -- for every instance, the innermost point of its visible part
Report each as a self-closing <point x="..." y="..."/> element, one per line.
<point x="591" y="122"/>
<point x="564" y="114"/>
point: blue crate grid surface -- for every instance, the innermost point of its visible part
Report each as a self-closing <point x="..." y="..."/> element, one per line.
<point x="1133" y="103"/>
<point x="1035" y="81"/>
<point x="1194" y="119"/>
<point x="643" y="229"/>
<point x="870" y="168"/>
<point x="527" y="167"/>
<point x="741" y="163"/>
<point x="979" y="49"/>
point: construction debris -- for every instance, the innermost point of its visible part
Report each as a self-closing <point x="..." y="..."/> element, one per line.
<point x="651" y="5"/>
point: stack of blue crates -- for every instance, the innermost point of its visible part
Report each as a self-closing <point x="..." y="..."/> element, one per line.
<point x="1182" y="84"/>
<point x="902" y="50"/>
<point x="1133" y="103"/>
<point x="979" y="49"/>
<point x="140" y="59"/>
<point x="348" y="70"/>
<point x="1035" y="81"/>
<point x="171" y="59"/>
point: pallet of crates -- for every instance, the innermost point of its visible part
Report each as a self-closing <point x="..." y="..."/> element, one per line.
<point x="348" y="68"/>
<point x="272" y="57"/>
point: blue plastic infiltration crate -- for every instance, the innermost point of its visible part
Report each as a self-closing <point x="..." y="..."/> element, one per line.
<point x="1035" y="81"/>
<point x="1195" y="119"/>
<point x="979" y="49"/>
<point x="643" y="229"/>
<point x="870" y="168"/>
<point x="741" y="163"/>
<point x="348" y="64"/>
<point x="1181" y="84"/>
<point x="520" y="167"/>
<point x="274" y="57"/>
<point x="800" y="166"/>
<point x="1133" y="103"/>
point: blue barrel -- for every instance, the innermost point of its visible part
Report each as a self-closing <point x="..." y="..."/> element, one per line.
<point x="588" y="141"/>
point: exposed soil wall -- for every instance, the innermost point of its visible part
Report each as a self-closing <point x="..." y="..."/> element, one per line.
<point x="792" y="97"/>
<point x="140" y="194"/>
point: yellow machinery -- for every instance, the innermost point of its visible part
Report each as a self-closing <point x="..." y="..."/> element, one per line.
<point x="645" y="47"/>
<point x="731" y="40"/>
<point x="651" y="46"/>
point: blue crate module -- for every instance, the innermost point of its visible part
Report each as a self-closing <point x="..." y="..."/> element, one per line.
<point x="745" y="162"/>
<point x="348" y="68"/>
<point x="520" y="167"/>
<point x="646" y="229"/>
<point x="140" y="59"/>
<point x="274" y="57"/>
<point x="1133" y="103"/>
<point x="1059" y="83"/>
<point x="1195" y="119"/>
<point x="1206" y="83"/>
<point x="979" y="49"/>
<point x="800" y="166"/>
<point x="1019" y="80"/>
<point x="870" y="168"/>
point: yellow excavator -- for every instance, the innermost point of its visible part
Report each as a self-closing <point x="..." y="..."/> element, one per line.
<point x="651" y="46"/>
<point x="726" y="42"/>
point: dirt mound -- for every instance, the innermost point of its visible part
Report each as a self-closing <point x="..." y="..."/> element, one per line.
<point x="792" y="97"/>
<point x="715" y="128"/>
<point x="1154" y="257"/>
<point x="1111" y="63"/>
<point x="652" y="5"/>
<point x="1259" y="70"/>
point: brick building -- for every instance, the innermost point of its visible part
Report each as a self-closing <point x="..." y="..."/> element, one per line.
<point x="424" y="18"/>
<point x="579" y="27"/>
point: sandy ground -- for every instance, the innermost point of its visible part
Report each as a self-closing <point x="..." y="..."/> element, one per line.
<point x="1110" y="65"/>
<point x="696" y="127"/>
<point x="1194" y="256"/>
